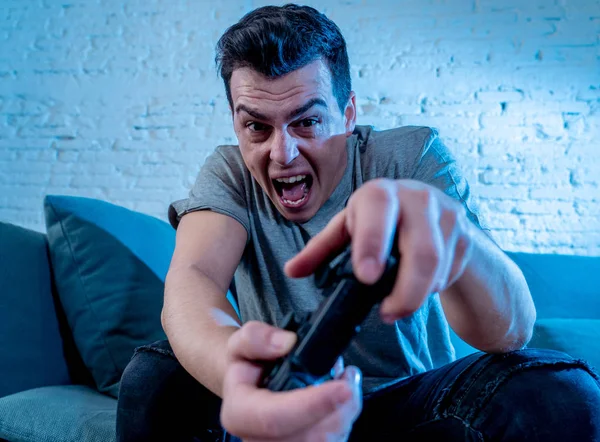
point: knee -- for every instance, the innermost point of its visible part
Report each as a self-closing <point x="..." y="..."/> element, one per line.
<point x="142" y="383"/>
<point x="144" y="373"/>
<point x="551" y="394"/>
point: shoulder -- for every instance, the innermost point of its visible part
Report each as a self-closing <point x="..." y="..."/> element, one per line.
<point x="417" y="135"/>
<point x="227" y="153"/>
<point x="394" y="152"/>
<point x="226" y="162"/>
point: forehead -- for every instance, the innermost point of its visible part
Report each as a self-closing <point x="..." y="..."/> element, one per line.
<point x="251" y="88"/>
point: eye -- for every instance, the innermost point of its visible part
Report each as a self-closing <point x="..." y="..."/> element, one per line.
<point x="307" y="122"/>
<point x="256" y="127"/>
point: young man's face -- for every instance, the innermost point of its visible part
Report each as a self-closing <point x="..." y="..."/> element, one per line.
<point x="292" y="135"/>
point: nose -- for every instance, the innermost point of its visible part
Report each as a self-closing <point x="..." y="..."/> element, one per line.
<point x="284" y="148"/>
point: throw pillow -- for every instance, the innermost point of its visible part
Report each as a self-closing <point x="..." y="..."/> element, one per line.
<point x="109" y="265"/>
<point x="579" y="338"/>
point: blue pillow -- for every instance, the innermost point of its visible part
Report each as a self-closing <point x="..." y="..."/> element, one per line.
<point x="109" y="265"/>
<point x="579" y="338"/>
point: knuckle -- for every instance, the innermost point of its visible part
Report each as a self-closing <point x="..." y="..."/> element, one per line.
<point x="232" y="345"/>
<point x="377" y="182"/>
<point x="250" y="330"/>
<point x="449" y="218"/>
<point x="463" y="246"/>
<point x="381" y="193"/>
<point x="427" y="257"/>
<point x="413" y="305"/>
<point x="243" y="338"/>
<point x="371" y="241"/>
<point x="424" y="196"/>
<point x="408" y="307"/>
<point x="378" y="190"/>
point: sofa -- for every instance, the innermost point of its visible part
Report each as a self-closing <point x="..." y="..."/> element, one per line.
<point x="77" y="299"/>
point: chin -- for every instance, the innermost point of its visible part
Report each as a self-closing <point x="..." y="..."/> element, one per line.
<point x="300" y="216"/>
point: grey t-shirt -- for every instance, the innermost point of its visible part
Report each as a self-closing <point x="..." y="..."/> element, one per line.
<point x="385" y="353"/>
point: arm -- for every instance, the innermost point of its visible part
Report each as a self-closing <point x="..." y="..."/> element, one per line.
<point x="484" y="294"/>
<point x="490" y="306"/>
<point x="207" y="251"/>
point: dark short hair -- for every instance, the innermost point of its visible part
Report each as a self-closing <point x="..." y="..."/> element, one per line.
<point x="276" y="40"/>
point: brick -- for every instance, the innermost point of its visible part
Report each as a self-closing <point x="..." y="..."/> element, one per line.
<point x="42" y="155"/>
<point x="504" y="221"/>
<point x="60" y="180"/>
<point x="519" y="177"/>
<point x="524" y="150"/>
<point x="551" y="223"/>
<point x="499" y="96"/>
<point x="29" y="178"/>
<point x="501" y="121"/>
<point x="549" y="107"/>
<point x="6" y="156"/>
<point x="27" y="166"/>
<point x="511" y="192"/>
<point x="587" y="208"/>
<point x="156" y="182"/>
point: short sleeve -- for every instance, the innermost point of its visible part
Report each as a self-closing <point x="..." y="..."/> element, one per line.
<point x="438" y="167"/>
<point x="220" y="187"/>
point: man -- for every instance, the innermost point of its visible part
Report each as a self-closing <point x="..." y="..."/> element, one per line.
<point x="304" y="182"/>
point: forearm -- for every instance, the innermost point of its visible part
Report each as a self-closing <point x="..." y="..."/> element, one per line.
<point x="198" y="342"/>
<point x="490" y="306"/>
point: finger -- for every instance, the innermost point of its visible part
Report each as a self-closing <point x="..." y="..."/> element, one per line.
<point x="339" y="424"/>
<point x="421" y="246"/>
<point x="259" y="341"/>
<point x="250" y="413"/>
<point x="374" y="215"/>
<point x="331" y="239"/>
<point x="338" y="368"/>
<point x="353" y="375"/>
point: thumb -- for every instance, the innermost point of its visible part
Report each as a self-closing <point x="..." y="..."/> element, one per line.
<point x="321" y="247"/>
<point x="259" y="341"/>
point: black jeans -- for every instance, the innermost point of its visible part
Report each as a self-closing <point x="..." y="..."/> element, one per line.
<point x="526" y="395"/>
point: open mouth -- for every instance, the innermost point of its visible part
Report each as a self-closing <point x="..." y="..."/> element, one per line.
<point x="293" y="191"/>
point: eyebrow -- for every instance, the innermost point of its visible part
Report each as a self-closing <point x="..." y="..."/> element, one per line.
<point x="256" y="114"/>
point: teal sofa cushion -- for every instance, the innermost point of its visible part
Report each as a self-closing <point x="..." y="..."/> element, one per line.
<point x="72" y="413"/>
<point x="109" y="265"/>
<point x="32" y="348"/>
<point x="579" y="338"/>
<point x="562" y="286"/>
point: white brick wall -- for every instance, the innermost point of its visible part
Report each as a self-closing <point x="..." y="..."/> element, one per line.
<point x="121" y="101"/>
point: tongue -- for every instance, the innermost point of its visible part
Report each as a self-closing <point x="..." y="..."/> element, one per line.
<point x="293" y="192"/>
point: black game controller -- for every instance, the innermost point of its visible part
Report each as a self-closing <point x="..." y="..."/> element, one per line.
<point x="326" y="332"/>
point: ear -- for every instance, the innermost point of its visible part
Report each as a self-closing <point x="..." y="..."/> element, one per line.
<point x="350" y="114"/>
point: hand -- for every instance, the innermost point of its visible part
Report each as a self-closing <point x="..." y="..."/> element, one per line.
<point x="433" y="234"/>
<point x="315" y="413"/>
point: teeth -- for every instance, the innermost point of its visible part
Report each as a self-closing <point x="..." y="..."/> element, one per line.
<point x="295" y="203"/>
<point x="291" y="179"/>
